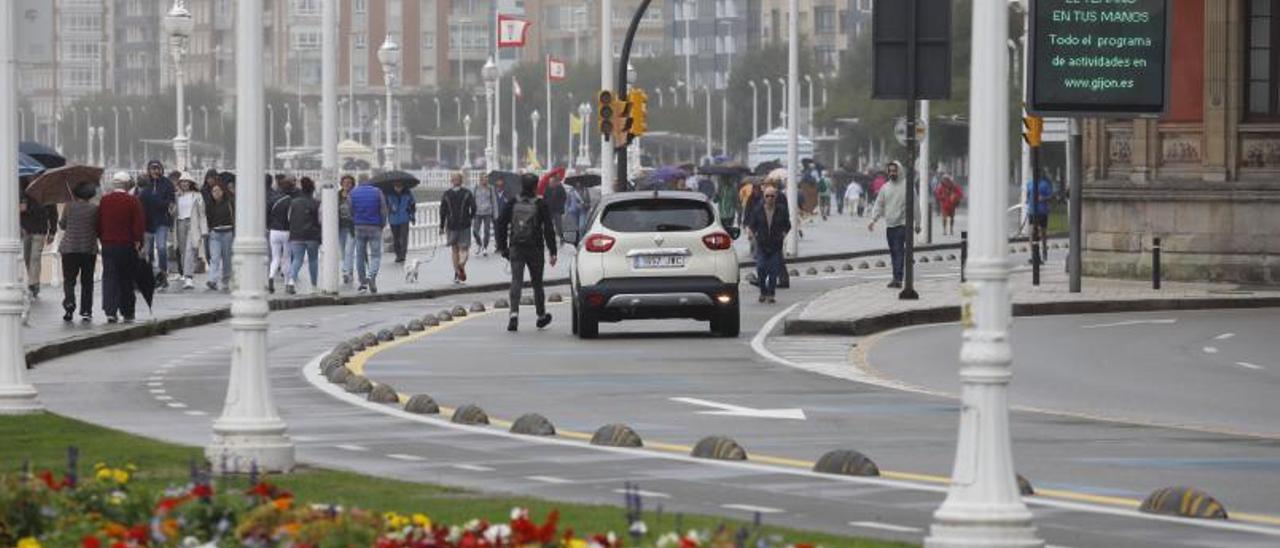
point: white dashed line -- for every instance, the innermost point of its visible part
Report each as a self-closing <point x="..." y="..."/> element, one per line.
<point x="177" y="405"/>
<point x="645" y="494"/>
<point x="305" y="439"/>
<point x="1210" y="350"/>
<point x="885" y="526"/>
<point x="407" y="458"/>
<point x="752" y="508"/>
<point x="164" y="398"/>
<point x="1224" y="336"/>
<point x="155" y="384"/>
<point x="549" y="479"/>
<point x="195" y="413"/>
<point x="156" y="391"/>
<point x="155" y="379"/>
<point x="1248" y="365"/>
<point x="349" y="447"/>
<point x="473" y="467"/>
<point x="1130" y="322"/>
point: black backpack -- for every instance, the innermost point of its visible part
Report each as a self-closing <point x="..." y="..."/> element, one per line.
<point x="525" y="225"/>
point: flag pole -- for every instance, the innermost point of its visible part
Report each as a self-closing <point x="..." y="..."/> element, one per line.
<point x="497" y="86"/>
<point x="549" y="117"/>
<point x="515" y="136"/>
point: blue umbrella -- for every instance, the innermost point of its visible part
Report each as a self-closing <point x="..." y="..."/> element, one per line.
<point x="28" y="166"/>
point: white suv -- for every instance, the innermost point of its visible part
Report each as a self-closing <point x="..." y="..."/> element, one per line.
<point x="650" y="255"/>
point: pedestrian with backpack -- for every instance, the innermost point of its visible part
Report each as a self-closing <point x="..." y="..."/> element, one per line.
<point x="524" y="229"/>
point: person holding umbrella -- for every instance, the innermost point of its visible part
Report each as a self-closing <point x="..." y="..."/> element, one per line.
<point x="79" y="250"/>
<point x="403" y="210"/>
<point x="121" y="230"/>
<point x="39" y="222"/>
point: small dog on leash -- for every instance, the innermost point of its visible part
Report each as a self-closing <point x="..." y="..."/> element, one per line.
<point x="411" y="271"/>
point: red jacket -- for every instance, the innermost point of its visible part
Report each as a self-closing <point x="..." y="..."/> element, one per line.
<point x="121" y="220"/>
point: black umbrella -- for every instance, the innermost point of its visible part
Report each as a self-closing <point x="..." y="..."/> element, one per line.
<point x="387" y="179"/>
<point x="511" y="181"/>
<point x="765" y="167"/>
<point x="144" y="280"/>
<point x="43" y="154"/>
<point x="723" y="170"/>
<point x="583" y="181"/>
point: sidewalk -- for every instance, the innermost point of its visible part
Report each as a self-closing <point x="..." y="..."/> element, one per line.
<point x="866" y="308"/>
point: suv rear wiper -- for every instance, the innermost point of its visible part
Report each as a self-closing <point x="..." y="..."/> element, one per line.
<point x="671" y="228"/>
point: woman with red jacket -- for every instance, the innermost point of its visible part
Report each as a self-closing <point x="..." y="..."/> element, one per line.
<point x="121" y="228"/>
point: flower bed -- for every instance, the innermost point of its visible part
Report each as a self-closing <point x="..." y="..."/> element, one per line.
<point x="108" y="510"/>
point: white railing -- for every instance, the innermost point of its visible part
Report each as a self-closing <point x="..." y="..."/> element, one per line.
<point x="425" y="232"/>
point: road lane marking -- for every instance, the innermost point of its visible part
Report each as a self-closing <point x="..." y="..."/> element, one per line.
<point x="473" y="467"/>
<point x="549" y="479"/>
<point x="404" y="457"/>
<point x="177" y="405"/>
<point x="1130" y="322"/>
<point x="752" y="508"/>
<point x="885" y="526"/>
<point x="1210" y="350"/>
<point x="1224" y="336"/>
<point x="350" y="447"/>
<point x="195" y="413"/>
<point x="643" y="493"/>
<point x="1248" y="365"/>
<point x="730" y="410"/>
<point x="164" y="398"/>
<point x="156" y="390"/>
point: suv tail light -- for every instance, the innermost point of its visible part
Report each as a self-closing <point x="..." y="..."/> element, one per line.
<point x="599" y="243"/>
<point x="718" y="241"/>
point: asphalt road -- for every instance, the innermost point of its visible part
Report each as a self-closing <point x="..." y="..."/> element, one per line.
<point x="171" y="387"/>
<point x="1213" y="370"/>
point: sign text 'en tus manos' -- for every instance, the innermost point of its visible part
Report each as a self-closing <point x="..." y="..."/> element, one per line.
<point x="1099" y="57"/>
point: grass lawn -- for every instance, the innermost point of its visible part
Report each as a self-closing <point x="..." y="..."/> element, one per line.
<point x="42" y="440"/>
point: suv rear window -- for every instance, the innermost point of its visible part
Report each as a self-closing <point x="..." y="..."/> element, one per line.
<point x="657" y="216"/>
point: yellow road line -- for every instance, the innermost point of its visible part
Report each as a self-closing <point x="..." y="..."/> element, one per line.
<point x="360" y="359"/>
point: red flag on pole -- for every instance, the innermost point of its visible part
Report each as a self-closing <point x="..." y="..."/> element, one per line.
<point x="511" y="31"/>
<point x="555" y="69"/>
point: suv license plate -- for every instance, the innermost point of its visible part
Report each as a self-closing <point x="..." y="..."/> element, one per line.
<point x="659" y="261"/>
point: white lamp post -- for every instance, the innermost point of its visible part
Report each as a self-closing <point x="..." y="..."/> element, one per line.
<point x="809" y="80"/>
<point x="790" y="97"/>
<point x="389" y="56"/>
<point x="115" y="141"/>
<point x="633" y="150"/>
<point x="983" y="507"/>
<point x="533" y="119"/>
<point x="250" y="432"/>
<point x="178" y="24"/>
<point x="271" y="137"/>
<point x="608" y="175"/>
<point x="584" y="146"/>
<point x="437" y="102"/>
<point x="489" y="73"/>
<point x="129" y="110"/>
<point x="755" y="109"/>
<point x="466" y="141"/>
<point x="768" y="104"/>
<point x="102" y="149"/>
<point x="658" y="92"/>
<point x="17" y="396"/>
<point x="288" y="137"/>
<point x="329" y="253"/>
<point x="707" y="89"/>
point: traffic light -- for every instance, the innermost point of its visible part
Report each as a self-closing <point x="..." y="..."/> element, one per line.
<point x="639" y="112"/>
<point x="621" y="123"/>
<point x="604" y="105"/>
<point x="1034" y="130"/>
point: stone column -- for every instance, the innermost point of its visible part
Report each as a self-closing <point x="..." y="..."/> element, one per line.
<point x="1217" y="137"/>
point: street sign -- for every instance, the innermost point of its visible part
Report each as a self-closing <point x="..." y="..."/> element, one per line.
<point x="896" y="34"/>
<point x="1099" y="58"/>
<point x="900" y="130"/>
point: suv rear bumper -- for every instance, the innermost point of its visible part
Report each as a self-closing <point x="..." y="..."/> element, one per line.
<point x="618" y="299"/>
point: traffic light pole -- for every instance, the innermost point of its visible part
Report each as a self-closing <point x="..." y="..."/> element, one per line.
<point x="908" y="292"/>
<point x="621" y="88"/>
<point x="1036" y="231"/>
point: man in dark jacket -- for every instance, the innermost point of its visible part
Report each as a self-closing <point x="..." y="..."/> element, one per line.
<point x="769" y="225"/>
<point x="556" y="198"/>
<point x="122" y="230"/>
<point x="39" y="226"/>
<point x="457" y="210"/>
<point x="524" y="228"/>
<point x="304" y="235"/>
<point x="278" y="231"/>
<point x="159" y="200"/>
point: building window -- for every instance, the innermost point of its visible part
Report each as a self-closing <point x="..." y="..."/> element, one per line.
<point x="1262" y="64"/>
<point x="824" y="19"/>
<point x="359" y="6"/>
<point x="361" y="40"/>
<point x="307" y="7"/>
<point x="428" y="40"/>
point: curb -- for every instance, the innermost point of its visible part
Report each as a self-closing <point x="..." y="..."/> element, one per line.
<point x="871" y="325"/>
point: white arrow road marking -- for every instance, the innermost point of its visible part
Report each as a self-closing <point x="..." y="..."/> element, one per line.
<point x="751" y="508"/>
<point x="1248" y="365"/>
<point x="1210" y="350"/>
<point x="646" y="494"/>
<point x="1130" y="322"/>
<point x="885" y="526"/>
<point x="729" y="410"/>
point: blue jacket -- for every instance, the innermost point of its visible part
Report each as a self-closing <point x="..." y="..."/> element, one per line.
<point x="368" y="207"/>
<point x="1046" y="193"/>
<point x="156" y="201"/>
<point x="401" y="207"/>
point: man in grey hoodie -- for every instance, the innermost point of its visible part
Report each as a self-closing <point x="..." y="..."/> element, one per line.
<point x="486" y="208"/>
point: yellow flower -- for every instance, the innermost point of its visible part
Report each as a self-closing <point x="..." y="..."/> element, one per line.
<point x="131" y="468"/>
<point x="170" y="527"/>
<point x="394" y="521"/>
<point x="104" y="474"/>
<point x="575" y="543"/>
<point x="99" y="466"/>
<point x="29" y="542"/>
<point x="120" y="476"/>
<point x="421" y="520"/>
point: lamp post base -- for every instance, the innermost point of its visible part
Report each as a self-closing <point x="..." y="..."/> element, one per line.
<point x="180" y="151"/>
<point x="241" y="446"/>
<point x="982" y="526"/>
<point x="19" y="399"/>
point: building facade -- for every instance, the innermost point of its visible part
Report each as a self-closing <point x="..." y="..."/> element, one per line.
<point x="706" y="35"/>
<point x="1205" y="178"/>
<point x="830" y="27"/>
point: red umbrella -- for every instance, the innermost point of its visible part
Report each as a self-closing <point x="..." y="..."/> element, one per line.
<point x="546" y="179"/>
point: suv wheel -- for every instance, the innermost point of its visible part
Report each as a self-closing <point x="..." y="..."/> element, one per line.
<point x="727" y="323"/>
<point x="588" y="325"/>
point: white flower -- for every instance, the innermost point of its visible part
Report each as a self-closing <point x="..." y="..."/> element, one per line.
<point x="669" y="539"/>
<point x="498" y="534"/>
<point x="518" y="512"/>
<point x="455" y="534"/>
<point x="612" y="538"/>
<point x="472" y="525"/>
<point x="639" y="528"/>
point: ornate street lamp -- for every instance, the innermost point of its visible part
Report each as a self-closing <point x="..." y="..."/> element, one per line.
<point x="466" y="141"/>
<point x="489" y="73"/>
<point x="178" y="25"/>
<point x="584" y="146"/>
<point x="533" y="118"/>
<point x="389" y="56"/>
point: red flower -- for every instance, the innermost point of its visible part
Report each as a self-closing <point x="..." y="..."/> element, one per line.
<point x="202" y="491"/>
<point x="55" y="485"/>
<point x="167" y="505"/>
<point x="90" y="542"/>
<point x="140" y="534"/>
<point x="262" y="489"/>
